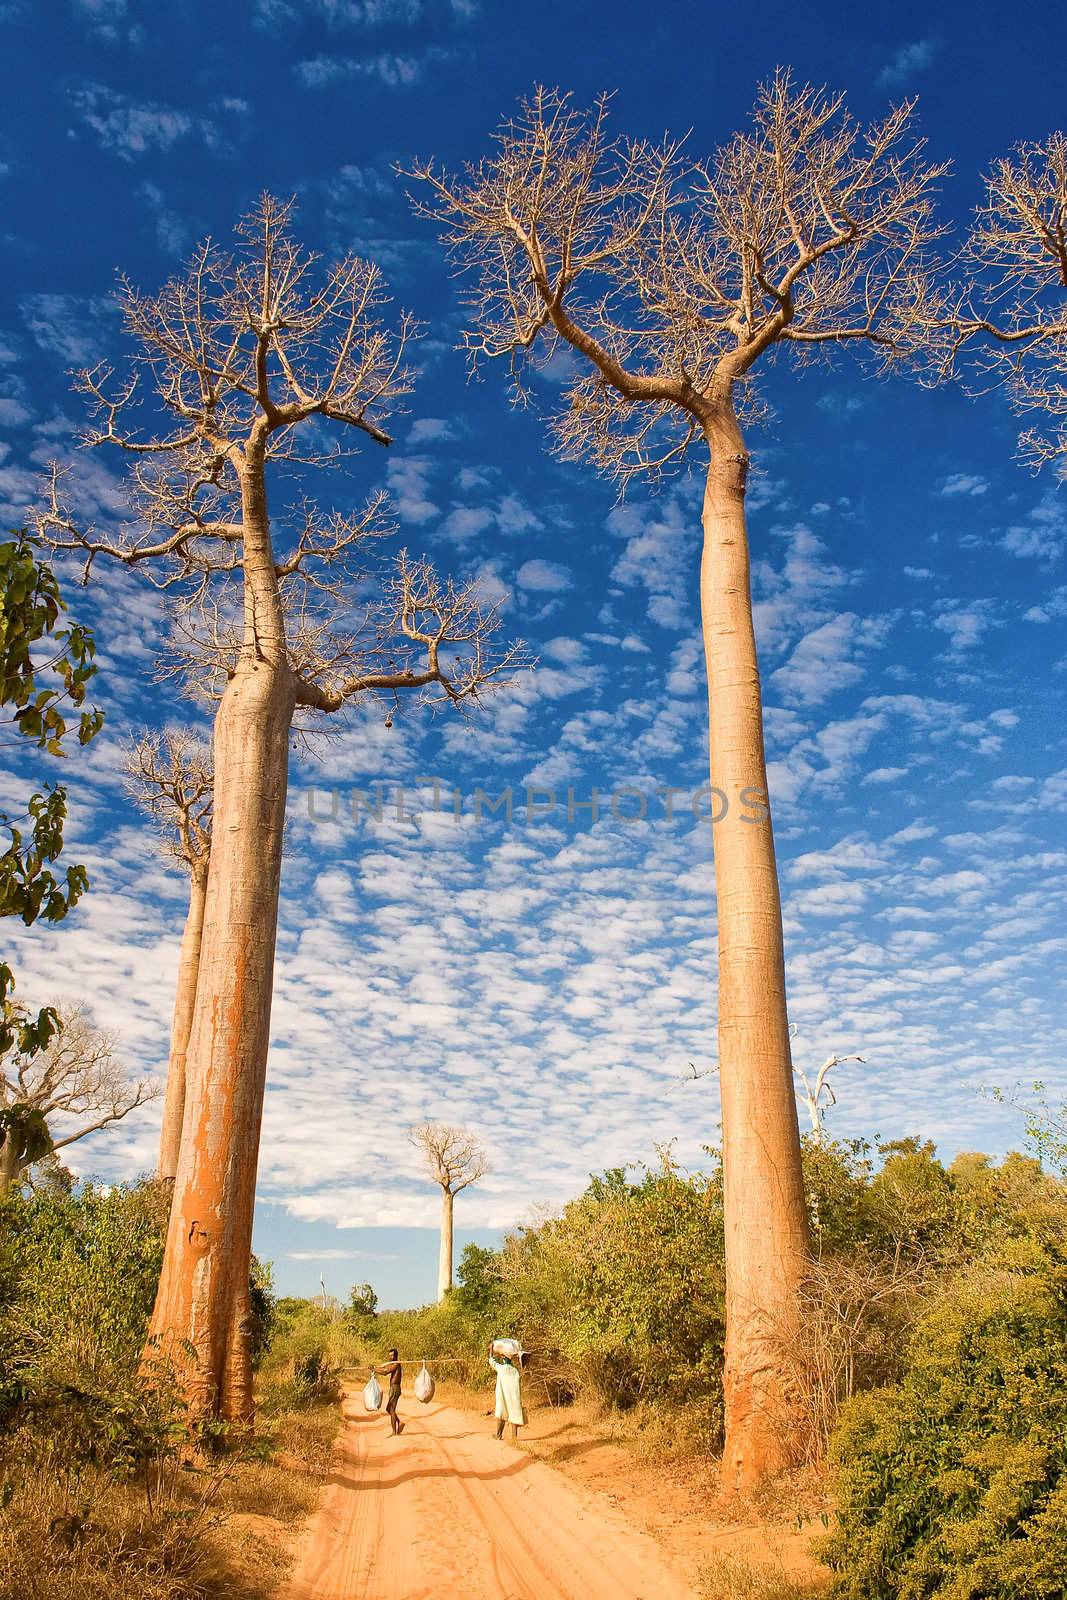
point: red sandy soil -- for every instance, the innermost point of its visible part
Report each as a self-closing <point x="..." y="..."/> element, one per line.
<point x="448" y="1512"/>
<point x="677" y="1502"/>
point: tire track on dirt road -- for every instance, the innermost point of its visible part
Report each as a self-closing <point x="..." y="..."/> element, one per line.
<point x="447" y="1512"/>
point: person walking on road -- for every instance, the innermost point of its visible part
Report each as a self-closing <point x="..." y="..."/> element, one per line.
<point x="392" y="1370"/>
<point x="508" y="1394"/>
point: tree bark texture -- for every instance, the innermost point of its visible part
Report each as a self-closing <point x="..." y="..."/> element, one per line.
<point x="202" y="1319"/>
<point x="765" y="1217"/>
<point x="444" y="1270"/>
<point x="9" y="1164"/>
<point x="170" y="1137"/>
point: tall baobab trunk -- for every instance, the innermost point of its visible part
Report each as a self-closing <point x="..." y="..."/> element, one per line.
<point x="203" y="1290"/>
<point x="765" y="1218"/>
<point x="9" y="1163"/>
<point x="444" y="1269"/>
<point x="170" y="1137"/>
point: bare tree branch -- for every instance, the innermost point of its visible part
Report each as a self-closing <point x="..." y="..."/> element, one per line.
<point x="243" y="353"/>
<point x="819" y="1096"/>
<point x="169" y="776"/>
<point x="1010" y="313"/>
<point x="455" y="1158"/>
<point x="76" y="1076"/>
<point x="671" y="276"/>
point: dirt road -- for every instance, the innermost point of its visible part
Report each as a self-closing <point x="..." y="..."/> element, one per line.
<point x="446" y="1512"/>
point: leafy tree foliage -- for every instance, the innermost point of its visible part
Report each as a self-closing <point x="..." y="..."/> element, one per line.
<point x="77" y="1281"/>
<point x="45" y="670"/>
<point x="478" y="1285"/>
<point x="362" y="1302"/>
<point x="953" y="1483"/>
<point x="626" y="1289"/>
<point x="264" y="1307"/>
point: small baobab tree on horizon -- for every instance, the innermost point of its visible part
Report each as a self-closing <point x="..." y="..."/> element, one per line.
<point x="670" y="281"/>
<point x="241" y="366"/>
<point x="169" y="776"/>
<point x="454" y="1158"/>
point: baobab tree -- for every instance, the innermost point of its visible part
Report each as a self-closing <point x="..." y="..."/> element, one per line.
<point x="170" y="777"/>
<point x="249" y="357"/>
<point x="76" y="1076"/>
<point x="670" y="280"/>
<point x="1011" y="312"/>
<point x="454" y="1159"/>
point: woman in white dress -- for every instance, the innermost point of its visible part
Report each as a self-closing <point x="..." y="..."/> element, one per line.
<point x="508" y="1394"/>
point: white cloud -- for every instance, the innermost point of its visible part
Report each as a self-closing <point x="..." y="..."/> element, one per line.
<point x="13" y="412"/>
<point x="963" y="483"/>
<point x="568" y="651"/>
<point x="464" y="523"/>
<point x="436" y="430"/>
<point x="69" y="326"/>
<point x="133" y="128"/>
<point x="662" y="538"/>
<point x="909" y="61"/>
<point x="886" y="774"/>
<point x="1043" y="536"/>
<point x="394" y="71"/>
<point x="792" y="599"/>
<point x="339" y="13"/>
<point x="408" y="479"/>
<point x="828" y="658"/>
<point x="965" y="622"/>
<point x="543" y="576"/>
<point x="1054" y="606"/>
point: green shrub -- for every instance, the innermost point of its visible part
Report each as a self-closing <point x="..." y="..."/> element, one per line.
<point x="623" y="1292"/>
<point x="264" y="1308"/>
<point x="953" y="1483"/>
<point x="478" y="1280"/>
<point x="300" y="1367"/>
<point x="101" y="1496"/>
<point x="78" y="1275"/>
<point x="448" y="1334"/>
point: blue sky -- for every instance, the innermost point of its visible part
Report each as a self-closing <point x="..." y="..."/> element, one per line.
<point x="549" y="983"/>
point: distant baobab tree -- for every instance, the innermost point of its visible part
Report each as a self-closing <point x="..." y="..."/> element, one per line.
<point x="1010" y="312"/>
<point x="169" y="776"/>
<point x="240" y="366"/>
<point x="454" y="1159"/>
<point x="76" y="1076"/>
<point x="671" y="280"/>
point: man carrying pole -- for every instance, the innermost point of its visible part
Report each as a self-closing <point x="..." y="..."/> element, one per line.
<point x="393" y="1370"/>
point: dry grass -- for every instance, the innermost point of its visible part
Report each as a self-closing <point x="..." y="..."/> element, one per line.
<point x="223" y="1534"/>
<point x="727" y="1578"/>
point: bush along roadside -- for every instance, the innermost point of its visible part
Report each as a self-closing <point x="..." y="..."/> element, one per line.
<point x="952" y="1483"/>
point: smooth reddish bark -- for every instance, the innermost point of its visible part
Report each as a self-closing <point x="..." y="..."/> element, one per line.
<point x="764" y="1210"/>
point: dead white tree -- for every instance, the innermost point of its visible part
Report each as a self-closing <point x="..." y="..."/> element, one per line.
<point x="170" y="777"/>
<point x="818" y="1095"/>
<point x="250" y="357"/>
<point x="1009" y="316"/>
<point x="454" y="1159"/>
<point x="669" y="281"/>
<point x="76" y="1078"/>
